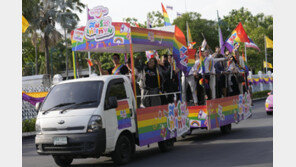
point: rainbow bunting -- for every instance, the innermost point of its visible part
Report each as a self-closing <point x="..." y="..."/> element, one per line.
<point x="237" y="35"/>
<point x="166" y="17"/>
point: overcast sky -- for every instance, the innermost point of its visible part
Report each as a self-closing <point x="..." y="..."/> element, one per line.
<point x="119" y="9"/>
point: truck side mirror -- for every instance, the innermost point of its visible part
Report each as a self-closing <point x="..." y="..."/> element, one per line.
<point x="37" y="106"/>
<point x="112" y="103"/>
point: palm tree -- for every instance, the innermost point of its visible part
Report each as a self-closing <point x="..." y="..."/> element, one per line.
<point x="30" y="10"/>
<point x="68" y="21"/>
<point x="52" y="12"/>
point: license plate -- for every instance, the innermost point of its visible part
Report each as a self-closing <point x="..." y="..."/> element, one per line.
<point x="60" y="140"/>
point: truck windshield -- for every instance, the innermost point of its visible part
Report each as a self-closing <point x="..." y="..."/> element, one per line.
<point x="73" y="93"/>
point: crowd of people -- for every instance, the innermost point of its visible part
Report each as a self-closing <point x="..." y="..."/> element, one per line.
<point x="212" y="76"/>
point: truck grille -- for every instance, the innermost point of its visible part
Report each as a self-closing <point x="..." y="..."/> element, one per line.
<point x="68" y="128"/>
<point x="68" y="147"/>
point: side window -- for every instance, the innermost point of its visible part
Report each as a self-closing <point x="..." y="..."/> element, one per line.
<point x="118" y="90"/>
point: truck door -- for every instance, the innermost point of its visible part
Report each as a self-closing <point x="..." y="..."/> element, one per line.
<point x="118" y="118"/>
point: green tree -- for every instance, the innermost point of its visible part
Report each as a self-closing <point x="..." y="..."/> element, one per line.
<point x="30" y="11"/>
<point x="199" y="27"/>
<point x="256" y="27"/>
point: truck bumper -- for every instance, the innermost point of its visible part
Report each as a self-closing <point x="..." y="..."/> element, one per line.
<point x="78" y="145"/>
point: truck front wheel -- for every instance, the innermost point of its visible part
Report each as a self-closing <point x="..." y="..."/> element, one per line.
<point x="166" y="145"/>
<point x="123" y="151"/>
<point x="62" y="160"/>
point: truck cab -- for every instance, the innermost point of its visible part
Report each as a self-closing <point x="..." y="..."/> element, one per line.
<point x="87" y="117"/>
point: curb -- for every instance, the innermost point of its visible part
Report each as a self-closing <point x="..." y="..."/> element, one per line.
<point x="28" y="135"/>
<point x="258" y="99"/>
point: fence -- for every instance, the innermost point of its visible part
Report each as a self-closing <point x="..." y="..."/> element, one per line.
<point x="261" y="82"/>
<point x="35" y="83"/>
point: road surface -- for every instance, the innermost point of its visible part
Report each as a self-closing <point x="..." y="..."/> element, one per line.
<point x="249" y="144"/>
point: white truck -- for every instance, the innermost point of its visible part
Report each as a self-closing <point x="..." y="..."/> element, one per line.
<point x="96" y="116"/>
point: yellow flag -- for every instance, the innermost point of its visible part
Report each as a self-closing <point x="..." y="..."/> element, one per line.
<point x="269" y="42"/>
<point x="269" y="65"/>
<point x="25" y="24"/>
<point x="189" y="38"/>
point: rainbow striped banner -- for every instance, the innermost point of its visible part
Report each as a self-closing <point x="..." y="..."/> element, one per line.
<point x="198" y="116"/>
<point x="220" y="112"/>
<point x="120" y="39"/>
<point x="160" y="123"/>
<point x="142" y="38"/>
<point x="123" y="115"/>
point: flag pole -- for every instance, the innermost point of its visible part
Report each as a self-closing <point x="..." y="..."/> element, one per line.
<point x="246" y="53"/>
<point x="88" y="53"/>
<point x="265" y="54"/>
<point x="187" y="33"/>
<point x="218" y="29"/>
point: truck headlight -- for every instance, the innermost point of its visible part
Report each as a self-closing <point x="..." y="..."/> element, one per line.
<point x="94" y="123"/>
<point x="37" y="127"/>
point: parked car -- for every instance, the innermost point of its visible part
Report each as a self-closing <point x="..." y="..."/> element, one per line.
<point x="269" y="103"/>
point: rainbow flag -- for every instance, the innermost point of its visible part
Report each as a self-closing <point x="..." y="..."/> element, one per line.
<point x="202" y="61"/>
<point x="180" y="51"/>
<point x="166" y="17"/>
<point x="237" y="35"/>
<point x="191" y="57"/>
<point x="123" y="115"/>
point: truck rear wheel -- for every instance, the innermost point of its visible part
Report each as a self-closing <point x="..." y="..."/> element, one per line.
<point x="123" y="151"/>
<point x="225" y="129"/>
<point x="166" y="145"/>
<point x="62" y="160"/>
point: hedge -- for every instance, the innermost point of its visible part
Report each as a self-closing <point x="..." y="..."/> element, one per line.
<point x="29" y="125"/>
<point x="260" y="94"/>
